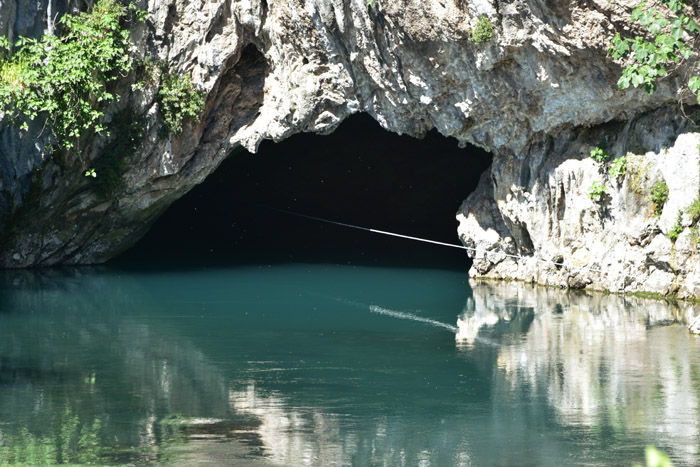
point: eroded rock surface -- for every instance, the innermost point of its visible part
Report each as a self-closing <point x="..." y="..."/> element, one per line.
<point x="533" y="218"/>
<point x="272" y="68"/>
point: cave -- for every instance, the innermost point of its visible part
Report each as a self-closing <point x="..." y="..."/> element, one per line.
<point x="360" y="174"/>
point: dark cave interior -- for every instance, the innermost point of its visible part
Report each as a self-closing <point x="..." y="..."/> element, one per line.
<point x="360" y="174"/>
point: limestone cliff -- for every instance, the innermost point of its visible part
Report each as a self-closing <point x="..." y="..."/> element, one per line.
<point x="537" y="95"/>
<point x="533" y="219"/>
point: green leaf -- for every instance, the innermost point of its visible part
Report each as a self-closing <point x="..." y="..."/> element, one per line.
<point x="677" y="30"/>
<point x="694" y="84"/>
<point x="623" y="82"/>
<point x="674" y="5"/>
<point x="620" y="47"/>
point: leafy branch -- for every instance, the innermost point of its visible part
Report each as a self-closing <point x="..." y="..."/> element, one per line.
<point x="64" y="79"/>
<point x="179" y="101"/>
<point x="648" y="58"/>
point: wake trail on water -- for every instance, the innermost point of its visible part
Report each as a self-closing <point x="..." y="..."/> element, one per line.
<point x="408" y="316"/>
<point x="456" y="330"/>
<point x="400" y="315"/>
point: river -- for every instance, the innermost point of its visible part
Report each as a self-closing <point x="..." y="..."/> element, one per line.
<point x="337" y="365"/>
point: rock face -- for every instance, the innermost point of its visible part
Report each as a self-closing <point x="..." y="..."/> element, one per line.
<point x="540" y="89"/>
<point x="533" y="218"/>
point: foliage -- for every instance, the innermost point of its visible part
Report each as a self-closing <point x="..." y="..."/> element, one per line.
<point x="372" y="3"/>
<point x="65" y="79"/>
<point x="599" y="154"/>
<point x="677" y="227"/>
<point x="694" y="210"/>
<point x="647" y="60"/>
<point x="655" y="458"/>
<point x="128" y="131"/>
<point x="597" y="191"/>
<point x="618" y="167"/>
<point x="179" y="100"/>
<point x="483" y="32"/>
<point x="695" y="235"/>
<point x="658" y="195"/>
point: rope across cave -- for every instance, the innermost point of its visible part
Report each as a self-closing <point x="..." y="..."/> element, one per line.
<point x="461" y="247"/>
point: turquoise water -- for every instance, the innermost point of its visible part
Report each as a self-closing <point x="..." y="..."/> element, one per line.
<point x="336" y="365"/>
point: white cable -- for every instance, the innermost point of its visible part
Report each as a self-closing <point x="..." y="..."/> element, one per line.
<point x="462" y="247"/>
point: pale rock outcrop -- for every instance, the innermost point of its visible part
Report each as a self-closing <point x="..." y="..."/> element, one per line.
<point x="533" y="219"/>
<point x="272" y="68"/>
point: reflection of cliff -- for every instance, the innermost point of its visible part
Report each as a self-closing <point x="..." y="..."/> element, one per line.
<point x="291" y="436"/>
<point x="295" y="436"/>
<point x="601" y="362"/>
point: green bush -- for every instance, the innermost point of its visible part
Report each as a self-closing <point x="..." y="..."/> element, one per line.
<point x="658" y="196"/>
<point x="179" y="100"/>
<point x="695" y="235"/>
<point x="599" y="154"/>
<point x="65" y="79"/>
<point x="128" y="131"/>
<point x="677" y="228"/>
<point x="694" y="210"/>
<point x="618" y="167"/>
<point x="483" y="32"/>
<point x="597" y="191"/>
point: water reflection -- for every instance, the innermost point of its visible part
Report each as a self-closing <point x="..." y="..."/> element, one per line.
<point x="74" y="366"/>
<point x="319" y="366"/>
<point x="619" y="365"/>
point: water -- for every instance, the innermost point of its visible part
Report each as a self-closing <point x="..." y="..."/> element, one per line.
<point x="330" y="365"/>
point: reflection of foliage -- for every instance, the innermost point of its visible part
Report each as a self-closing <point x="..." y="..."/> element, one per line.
<point x="68" y="441"/>
<point x="655" y="458"/>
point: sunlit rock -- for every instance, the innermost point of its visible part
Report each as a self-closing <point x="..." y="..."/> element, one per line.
<point x="271" y="69"/>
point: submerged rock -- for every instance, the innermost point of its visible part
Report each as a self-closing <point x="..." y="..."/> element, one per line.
<point x="538" y="95"/>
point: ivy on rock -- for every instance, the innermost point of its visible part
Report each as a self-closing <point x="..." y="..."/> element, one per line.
<point x="648" y="58"/>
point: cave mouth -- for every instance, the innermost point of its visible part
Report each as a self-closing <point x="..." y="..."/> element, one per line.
<point x="360" y="174"/>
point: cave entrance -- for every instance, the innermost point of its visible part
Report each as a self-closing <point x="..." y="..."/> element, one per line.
<point x="360" y="174"/>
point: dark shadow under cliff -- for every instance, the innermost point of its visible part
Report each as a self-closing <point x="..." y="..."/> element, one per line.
<point x="360" y="174"/>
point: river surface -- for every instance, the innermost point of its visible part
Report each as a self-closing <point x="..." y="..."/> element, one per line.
<point x="337" y="365"/>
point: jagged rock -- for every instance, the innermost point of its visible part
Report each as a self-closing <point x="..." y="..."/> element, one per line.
<point x="270" y="69"/>
<point x="617" y="243"/>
